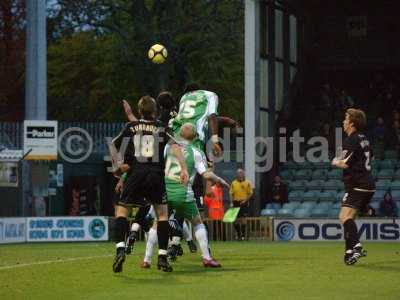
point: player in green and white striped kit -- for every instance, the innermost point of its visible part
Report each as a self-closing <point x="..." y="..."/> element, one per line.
<point x="180" y="196"/>
<point x="200" y="108"/>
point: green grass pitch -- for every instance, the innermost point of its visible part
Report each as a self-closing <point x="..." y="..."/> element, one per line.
<point x="251" y="270"/>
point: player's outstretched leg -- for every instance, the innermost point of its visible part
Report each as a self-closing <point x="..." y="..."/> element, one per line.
<point x="201" y="237"/>
<point x="162" y="233"/>
<point x="120" y="230"/>
<point x="347" y="215"/>
<point x="163" y="236"/>
<point x="350" y="233"/>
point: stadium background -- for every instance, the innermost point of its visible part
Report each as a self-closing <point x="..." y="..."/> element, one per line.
<point x="286" y="59"/>
<point x="289" y="63"/>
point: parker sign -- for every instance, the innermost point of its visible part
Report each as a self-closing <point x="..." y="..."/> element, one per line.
<point x="40" y="137"/>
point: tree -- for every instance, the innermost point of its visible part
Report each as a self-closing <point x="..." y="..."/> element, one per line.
<point x="87" y="79"/>
<point x="204" y="40"/>
<point x="12" y="59"/>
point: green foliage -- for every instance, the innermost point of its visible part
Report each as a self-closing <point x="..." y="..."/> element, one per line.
<point x="87" y="79"/>
<point x="104" y="59"/>
<point x="12" y="59"/>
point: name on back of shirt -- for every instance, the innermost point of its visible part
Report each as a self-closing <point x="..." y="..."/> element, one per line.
<point x="144" y="127"/>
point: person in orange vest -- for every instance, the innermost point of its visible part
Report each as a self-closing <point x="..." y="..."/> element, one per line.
<point x="215" y="203"/>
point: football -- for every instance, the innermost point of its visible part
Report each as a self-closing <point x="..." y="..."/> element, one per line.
<point x="157" y="54"/>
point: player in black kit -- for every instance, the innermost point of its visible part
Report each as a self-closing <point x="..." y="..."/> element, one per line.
<point x="145" y="182"/>
<point x="358" y="181"/>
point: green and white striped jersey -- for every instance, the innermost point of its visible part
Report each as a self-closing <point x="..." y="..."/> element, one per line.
<point x="195" y="108"/>
<point x="196" y="163"/>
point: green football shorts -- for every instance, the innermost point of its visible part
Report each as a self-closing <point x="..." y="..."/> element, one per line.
<point x="188" y="210"/>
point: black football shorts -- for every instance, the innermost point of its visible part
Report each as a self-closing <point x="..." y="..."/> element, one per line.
<point x="357" y="198"/>
<point x="144" y="187"/>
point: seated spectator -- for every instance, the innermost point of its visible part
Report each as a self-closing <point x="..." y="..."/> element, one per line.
<point x="278" y="192"/>
<point x="388" y="206"/>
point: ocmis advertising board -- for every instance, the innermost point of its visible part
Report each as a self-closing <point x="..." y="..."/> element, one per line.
<point x="331" y="230"/>
<point x="60" y="229"/>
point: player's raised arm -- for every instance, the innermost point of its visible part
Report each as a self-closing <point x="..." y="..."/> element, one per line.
<point x="209" y="175"/>
<point x="128" y="111"/>
<point x="201" y="167"/>
<point x="227" y="122"/>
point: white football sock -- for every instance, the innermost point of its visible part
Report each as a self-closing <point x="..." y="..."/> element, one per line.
<point x="151" y="241"/>
<point x="187" y="231"/>
<point x="120" y="245"/>
<point x="176" y="240"/>
<point x="135" y="227"/>
<point x="200" y="233"/>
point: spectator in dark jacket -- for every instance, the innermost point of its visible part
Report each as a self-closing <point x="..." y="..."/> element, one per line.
<point x="278" y="192"/>
<point x="388" y="206"/>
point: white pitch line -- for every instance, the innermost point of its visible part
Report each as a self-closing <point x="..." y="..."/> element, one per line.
<point x="46" y="262"/>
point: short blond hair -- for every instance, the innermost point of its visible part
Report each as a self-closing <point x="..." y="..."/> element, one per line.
<point x="357" y="117"/>
<point x="147" y="107"/>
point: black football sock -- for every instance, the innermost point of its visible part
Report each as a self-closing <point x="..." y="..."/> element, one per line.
<point x="121" y="228"/>
<point x="350" y="234"/>
<point x="163" y="236"/>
